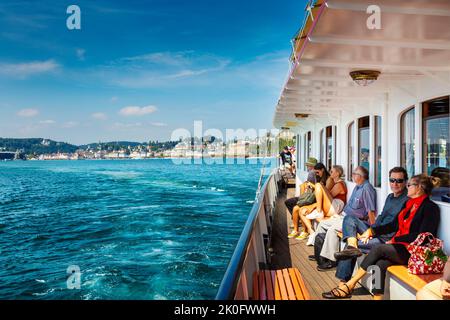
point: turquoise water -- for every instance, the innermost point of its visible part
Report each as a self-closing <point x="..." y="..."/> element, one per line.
<point x="144" y="229"/>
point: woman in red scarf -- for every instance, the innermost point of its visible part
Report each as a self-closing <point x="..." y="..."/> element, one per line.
<point x="419" y="215"/>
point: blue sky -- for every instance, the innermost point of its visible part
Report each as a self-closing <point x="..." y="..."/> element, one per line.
<point x="137" y="70"/>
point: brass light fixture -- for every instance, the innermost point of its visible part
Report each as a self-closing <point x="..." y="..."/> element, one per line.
<point x="301" y="115"/>
<point x="364" y="77"/>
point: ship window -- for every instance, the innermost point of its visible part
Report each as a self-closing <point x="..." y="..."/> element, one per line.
<point x="407" y="138"/>
<point x="308" y="145"/>
<point x="321" y="146"/>
<point x="377" y="178"/>
<point x="436" y="144"/>
<point x="351" y="148"/>
<point x="364" y="142"/>
<point x="329" y="146"/>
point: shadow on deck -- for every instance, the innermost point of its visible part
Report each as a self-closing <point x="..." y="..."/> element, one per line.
<point x="294" y="253"/>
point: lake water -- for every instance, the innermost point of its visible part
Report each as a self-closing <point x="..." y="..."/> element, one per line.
<point x="143" y="229"/>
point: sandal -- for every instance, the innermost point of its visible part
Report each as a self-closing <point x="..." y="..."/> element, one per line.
<point x="337" y="292"/>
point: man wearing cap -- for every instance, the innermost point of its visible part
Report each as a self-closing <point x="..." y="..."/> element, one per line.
<point x="292" y="202"/>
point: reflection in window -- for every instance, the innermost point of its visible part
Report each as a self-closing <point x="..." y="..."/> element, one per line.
<point x="351" y="145"/>
<point x="407" y="141"/>
<point x="436" y="144"/>
<point x="364" y="142"/>
<point x="377" y="179"/>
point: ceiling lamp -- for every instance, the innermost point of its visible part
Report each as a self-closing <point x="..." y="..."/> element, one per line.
<point x="364" y="77"/>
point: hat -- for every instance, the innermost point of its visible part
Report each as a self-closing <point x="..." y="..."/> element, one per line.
<point x="311" y="162"/>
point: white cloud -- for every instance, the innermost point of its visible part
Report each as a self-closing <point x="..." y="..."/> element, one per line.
<point x="23" y="70"/>
<point x="114" y="99"/>
<point x="159" y="124"/>
<point x="80" y="54"/>
<point x="28" y="113"/>
<point x="137" y="111"/>
<point x="99" y="116"/>
<point x="47" y="122"/>
<point x="70" y="124"/>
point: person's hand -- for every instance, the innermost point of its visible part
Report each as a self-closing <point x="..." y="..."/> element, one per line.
<point x="445" y="290"/>
<point x="366" y="236"/>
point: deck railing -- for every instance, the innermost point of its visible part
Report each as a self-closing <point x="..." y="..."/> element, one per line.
<point x="251" y="249"/>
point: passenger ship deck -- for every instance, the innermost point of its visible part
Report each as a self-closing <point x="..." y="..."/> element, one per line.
<point x="395" y="114"/>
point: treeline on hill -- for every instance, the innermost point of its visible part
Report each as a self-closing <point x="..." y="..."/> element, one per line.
<point x="46" y="146"/>
<point x="36" y="146"/>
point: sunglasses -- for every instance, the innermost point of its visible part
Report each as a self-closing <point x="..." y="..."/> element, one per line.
<point x="412" y="184"/>
<point x="392" y="180"/>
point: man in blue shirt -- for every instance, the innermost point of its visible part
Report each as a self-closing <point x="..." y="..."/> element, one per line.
<point x="352" y="226"/>
<point x="361" y="205"/>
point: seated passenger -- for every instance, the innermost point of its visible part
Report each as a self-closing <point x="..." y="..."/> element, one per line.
<point x="324" y="180"/>
<point x="331" y="197"/>
<point x="292" y="202"/>
<point x="353" y="226"/>
<point x="437" y="289"/>
<point x="419" y="215"/>
<point x="362" y="205"/>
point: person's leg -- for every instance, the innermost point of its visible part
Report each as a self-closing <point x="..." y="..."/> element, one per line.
<point x="306" y="222"/>
<point x="431" y="291"/>
<point x="332" y="241"/>
<point x="323" y="199"/>
<point x="295" y="220"/>
<point x="350" y="228"/>
<point x="344" y="269"/>
<point x="291" y="203"/>
<point x="383" y="256"/>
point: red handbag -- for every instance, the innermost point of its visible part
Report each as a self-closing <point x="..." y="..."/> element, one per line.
<point x="428" y="258"/>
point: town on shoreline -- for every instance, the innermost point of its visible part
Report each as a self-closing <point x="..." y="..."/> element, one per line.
<point x="206" y="147"/>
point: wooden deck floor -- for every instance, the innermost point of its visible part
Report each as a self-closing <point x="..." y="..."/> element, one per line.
<point x="294" y="253"/>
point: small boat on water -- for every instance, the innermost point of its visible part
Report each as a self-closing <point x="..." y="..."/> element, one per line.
<point x="368" y="86"/>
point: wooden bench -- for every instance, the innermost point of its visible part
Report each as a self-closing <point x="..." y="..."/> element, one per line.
<point x="404" y="285"/>
<point x="284" y="284"/>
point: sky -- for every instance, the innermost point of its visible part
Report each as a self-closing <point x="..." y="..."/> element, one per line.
<point x="138" y="70"/>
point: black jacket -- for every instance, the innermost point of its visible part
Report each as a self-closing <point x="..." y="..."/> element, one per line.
<point x="426" y="219"/>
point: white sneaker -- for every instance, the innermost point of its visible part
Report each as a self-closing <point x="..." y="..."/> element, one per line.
<point x="315" y="215"/>
<point x="311" y="239"/>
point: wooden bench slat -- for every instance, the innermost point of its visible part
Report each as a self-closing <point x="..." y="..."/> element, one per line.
<point x="262" y="287"/>
<point x="284" y="294"/>
<point x="416" y="282"/>
<point x="276" y="285"/>
<point x="288" y="282"/>
<point x="284" y="284"/>
<point x="305" y="291"/>
<point x="269" y="286"/>
<point x="296" y="284"/>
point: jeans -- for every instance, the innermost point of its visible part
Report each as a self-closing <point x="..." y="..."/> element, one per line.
<point x="351" y="226"/>
<point x="291" y="203"/>
<point x="345" y="268"/>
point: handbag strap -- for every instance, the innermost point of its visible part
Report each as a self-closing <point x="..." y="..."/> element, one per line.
<point x="421" y="238"/>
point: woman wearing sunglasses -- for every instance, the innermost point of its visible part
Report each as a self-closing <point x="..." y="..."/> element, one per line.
<point x="419" y="215"/>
